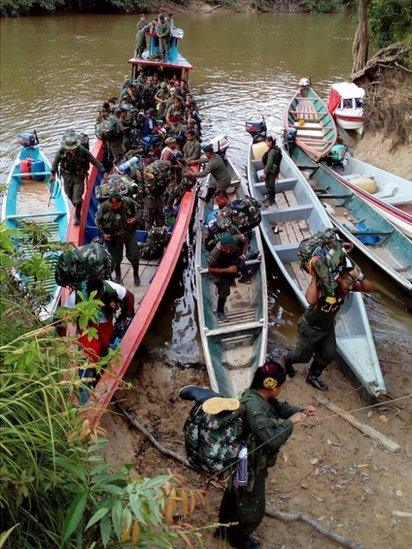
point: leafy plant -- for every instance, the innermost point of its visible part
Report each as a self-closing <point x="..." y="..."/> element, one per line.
<point x="390" y="21"/>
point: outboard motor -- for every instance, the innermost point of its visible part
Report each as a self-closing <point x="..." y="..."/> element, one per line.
<point x="257" y="129"/>
<point x="220" y="145"/>
<point x="28" y="139"/>
<point x="289" y="139"/>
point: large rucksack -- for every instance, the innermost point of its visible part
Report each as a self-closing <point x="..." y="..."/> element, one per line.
<point x="156" y="241"/>
<point x="244" y="213"/>
<point x="327" y="248"/>
<point x="213" y="442"/>
<point x="76" y="265"/>
<point x="109" y="128"/>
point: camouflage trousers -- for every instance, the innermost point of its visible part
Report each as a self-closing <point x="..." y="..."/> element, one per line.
<point x="245" y="506"/>
<point x="115" y="247"/>
<point x="140" y="43"/>
<point x="314" y="342"/>
<point x="270" y="184"/>
<point x="115" y="149"/>
<point x="153" y="212"/>
<point x="74" y="187"/>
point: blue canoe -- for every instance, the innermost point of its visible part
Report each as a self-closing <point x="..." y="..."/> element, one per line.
<point x="363" y="225"/>
<point x="29" y="198"/>
<point x="299" y="214"/>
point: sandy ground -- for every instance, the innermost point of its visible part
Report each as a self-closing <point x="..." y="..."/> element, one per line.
<point x="327" y="468"/>
<point x="377" y="150"/>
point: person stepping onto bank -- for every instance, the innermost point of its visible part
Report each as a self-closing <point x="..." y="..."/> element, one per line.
<point x="224" y="262"/>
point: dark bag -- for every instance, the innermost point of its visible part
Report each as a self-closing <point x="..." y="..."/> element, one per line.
<point x="244" y="213"/>
<point x="77" y="265"/>
<point x="213" y="442"/>
<point x="156" y="241"/>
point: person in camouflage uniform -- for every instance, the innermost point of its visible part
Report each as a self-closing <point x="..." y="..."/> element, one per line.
<point x="271" y="161"/>
<point x="224" y="262"/>
<point x="141" y="28"/>
<point x="155" y="185"/>
<point x="316" y="335"/>
<point x="74" y="161"/>
<point x="163" y="33"/>
<point x="220" y="176"/>
<point x="161" y="98"/>
<point x="268" y="424"/>
<point x="117" y="219"/>
<point x="115" y="142"/>
<point x="191" y="149"/>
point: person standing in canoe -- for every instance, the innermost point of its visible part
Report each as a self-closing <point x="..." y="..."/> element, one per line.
<point x="163" y="34"/>
<point x="117" y="220"/>
<point x="74" y="161"/>
<point x="141" y="28"/>
<point x="215" y="166"/>
<point x="268" y="423"/>
<point x="271" y="162"/>
<point x="316" y="332"/>
<point x="224" y="262"/>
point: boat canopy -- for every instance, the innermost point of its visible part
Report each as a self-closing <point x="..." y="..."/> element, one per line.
<point x="343" y="90"/>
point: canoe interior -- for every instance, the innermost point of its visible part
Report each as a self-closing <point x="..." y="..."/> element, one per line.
<point x="393" y="251"/>
<point x="299" y="214"/>
<point x="233" y="348"/>
<point x="147" y="268"/>
<point x="392" y="189"/>
<point x="29" y="201"/>
<point x="316" y="129"/>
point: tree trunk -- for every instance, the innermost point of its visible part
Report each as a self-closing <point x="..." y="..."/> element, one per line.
<point x="361" y="40"/>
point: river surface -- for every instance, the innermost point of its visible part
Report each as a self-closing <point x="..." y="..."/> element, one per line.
<point x="56" y="70"/>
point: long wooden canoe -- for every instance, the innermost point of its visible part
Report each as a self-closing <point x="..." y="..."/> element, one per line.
<point x="233" y="348"/>
<point x="155" y="276"/>
<point x="316" y="129"/>
<point x="393" y="197"/>
<point x="299" y="214"/>
<point x="360" y="223"/>
<point x="36" y="200"/>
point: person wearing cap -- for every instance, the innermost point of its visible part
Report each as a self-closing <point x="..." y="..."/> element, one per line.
<point x="220" y="178"/>
<point x="74" y="161"/>
<point x="141" y="28"/>
<point x="161" y="98"/>
<point x="271" y="162"/>
<point x="115" y="141"/>
<point x="176" y="129"/>
<point x="163" y="34"/>
<point x="191" y="149"/>
<point x="117" y="220"/>
<point x="268" y="423"/>
<point x="224" y="262"/>
<point x="192" y="126"/>
<point x="316" y="327"/>
<point x="149" y="92"/>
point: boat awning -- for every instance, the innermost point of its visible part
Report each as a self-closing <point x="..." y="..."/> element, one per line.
<point x="348" y="90"/>
<point x="180" y="63"/>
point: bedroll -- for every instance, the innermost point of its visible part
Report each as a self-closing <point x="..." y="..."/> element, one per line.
<point x="76" y="265"/>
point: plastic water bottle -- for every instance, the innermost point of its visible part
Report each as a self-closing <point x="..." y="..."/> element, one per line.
<point x="125" y="167"/>
<point x="242" y="475"/>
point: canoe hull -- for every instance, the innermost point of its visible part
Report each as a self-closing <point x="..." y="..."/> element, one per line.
<point x="233" y="349"/>
<point x="299" y="215"/>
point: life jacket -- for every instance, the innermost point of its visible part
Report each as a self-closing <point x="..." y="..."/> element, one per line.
<point x="213" y="442"/>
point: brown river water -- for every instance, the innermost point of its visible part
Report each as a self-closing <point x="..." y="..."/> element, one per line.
<point x="55" y="71"/>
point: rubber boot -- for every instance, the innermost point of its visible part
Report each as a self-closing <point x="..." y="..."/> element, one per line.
<point x="136" y="278"/>
<point x="221" y="308"/>
<point x="118" y="274"/>
<point x="77" y="213"/>
<point x="314" y="373"/>
<point x="209" y="194"/>
<point x="290" y="370"/>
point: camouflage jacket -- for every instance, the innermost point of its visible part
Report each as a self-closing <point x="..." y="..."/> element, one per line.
<point x="266" y="426"/>
<point x="191" y="150"/>
<point x="115" y="223"/>
<point x="75" y="164"/>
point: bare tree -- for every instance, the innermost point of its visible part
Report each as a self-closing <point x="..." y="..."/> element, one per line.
<point x="361" y="40"/>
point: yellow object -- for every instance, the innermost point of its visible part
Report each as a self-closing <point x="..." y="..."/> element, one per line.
<point x="367" y="184"/>
<point x="270" y="383"/>
<point x="258" y="150"/>
<point x="215" y="405"/>
<point x="301" y="123"/>
<point x="330" y="299"/>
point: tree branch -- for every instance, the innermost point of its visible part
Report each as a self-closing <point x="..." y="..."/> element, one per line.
<point x="285" y="517"/>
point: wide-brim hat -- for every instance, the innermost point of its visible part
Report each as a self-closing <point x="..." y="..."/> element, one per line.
<point x="71" y="143"/>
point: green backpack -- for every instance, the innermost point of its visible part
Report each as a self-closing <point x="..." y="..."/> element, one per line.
<point x="109" y="128"/>
<point x="156" y="241"/>
<point x="213" y="442"/>
<point x="76" y="265"/>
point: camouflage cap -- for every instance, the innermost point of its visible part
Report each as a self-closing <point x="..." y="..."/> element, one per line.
<point x="114" y="193"/>
<point x="70" y="143"/>
<point x="207" y="148"/>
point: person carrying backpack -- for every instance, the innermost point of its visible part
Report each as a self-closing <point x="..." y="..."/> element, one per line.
<point x="74" y="161"/>
<point x="267" y="425"/>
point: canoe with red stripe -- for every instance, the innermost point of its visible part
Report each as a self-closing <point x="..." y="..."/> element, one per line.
<point x="155" y="276"/>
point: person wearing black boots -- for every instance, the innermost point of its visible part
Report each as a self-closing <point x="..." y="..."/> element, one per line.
<point x="316" y="332"/>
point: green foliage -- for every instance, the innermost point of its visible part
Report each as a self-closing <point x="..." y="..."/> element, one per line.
<point x="390" y="21"/>
<point x="325" y="6"/>
<point x="16" y="7"/>
<point x="55" y="487"/>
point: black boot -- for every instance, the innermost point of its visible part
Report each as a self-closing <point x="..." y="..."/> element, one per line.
<point x="118" y="273"/>
<point x="136" y="278"/>
<point x="209" y="194"/>
<point x="77" y="213"/>
<point x="313" y="376"/>
<point x="290" y="370"/>
<point x="221" y="308"/>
